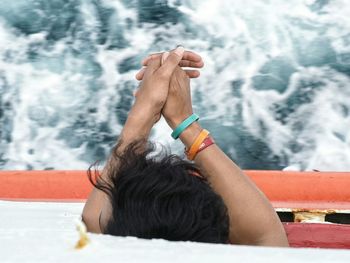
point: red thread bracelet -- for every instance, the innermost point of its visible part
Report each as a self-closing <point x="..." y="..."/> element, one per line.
<point x="206" y="143"/>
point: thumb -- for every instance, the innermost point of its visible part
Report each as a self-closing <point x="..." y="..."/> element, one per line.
<point x="171" y="61"/>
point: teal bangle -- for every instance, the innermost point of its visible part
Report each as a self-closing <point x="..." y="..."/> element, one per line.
<point x="183" y="125"/>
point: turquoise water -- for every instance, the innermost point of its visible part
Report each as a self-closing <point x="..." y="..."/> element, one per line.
<point x="275" y="92"/>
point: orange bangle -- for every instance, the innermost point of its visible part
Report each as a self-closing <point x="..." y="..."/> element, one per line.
<point x="192" y="152"/>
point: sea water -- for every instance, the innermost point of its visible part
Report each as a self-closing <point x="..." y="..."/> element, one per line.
<point x="275" y="90"/>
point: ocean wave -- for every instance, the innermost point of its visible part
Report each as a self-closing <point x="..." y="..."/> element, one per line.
<point x="274" y="92"/>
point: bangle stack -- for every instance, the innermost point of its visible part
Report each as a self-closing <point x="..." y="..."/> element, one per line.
<point x="202" y="141"/>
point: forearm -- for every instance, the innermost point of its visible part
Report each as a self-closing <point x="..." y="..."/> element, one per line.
<point x="137" y="127"/>
<point x="253" y="220"/>
<point x="150" y="99"/>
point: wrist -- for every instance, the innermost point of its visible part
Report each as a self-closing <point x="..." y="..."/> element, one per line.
<point x="175" y="122"/>
<point x="189" y="135"/>
<point x="144" y="114"/>
<point x="138" y="125"/>
<point x="146" y="109"/>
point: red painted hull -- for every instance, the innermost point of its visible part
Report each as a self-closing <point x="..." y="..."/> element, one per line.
<point x="318" y="235"/>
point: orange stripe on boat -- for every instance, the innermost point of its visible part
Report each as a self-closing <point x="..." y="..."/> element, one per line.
<point x="44" y="185"/>
<point x="309" y="190"/>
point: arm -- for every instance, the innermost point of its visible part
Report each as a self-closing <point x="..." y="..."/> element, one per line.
<point x="137" y="127"/>
<point x="150" y="100"/>
<point x="253" y="220"/>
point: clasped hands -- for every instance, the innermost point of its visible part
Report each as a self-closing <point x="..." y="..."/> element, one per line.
<point x="164" y="89"/>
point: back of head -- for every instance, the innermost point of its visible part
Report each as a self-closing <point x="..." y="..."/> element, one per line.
<point x="161" y="197"/>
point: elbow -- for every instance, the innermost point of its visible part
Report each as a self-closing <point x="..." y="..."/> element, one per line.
<point x="91" y="222"/>
<point x="276" y="237"/>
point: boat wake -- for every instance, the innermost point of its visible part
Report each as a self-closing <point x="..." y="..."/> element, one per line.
<point x="275" y="90"/>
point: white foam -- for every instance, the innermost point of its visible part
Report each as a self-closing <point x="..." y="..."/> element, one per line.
<point x="235" y="40"/>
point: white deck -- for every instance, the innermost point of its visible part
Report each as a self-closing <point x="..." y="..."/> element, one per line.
<point x="45" y="232"/>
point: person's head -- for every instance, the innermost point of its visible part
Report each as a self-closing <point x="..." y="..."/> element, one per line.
<point x="160" y="196"/>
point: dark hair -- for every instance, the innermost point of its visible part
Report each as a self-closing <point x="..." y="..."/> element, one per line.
<point x="158" y="196"/>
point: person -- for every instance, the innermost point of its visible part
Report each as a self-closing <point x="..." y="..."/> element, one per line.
<point x="147" y="195"/>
